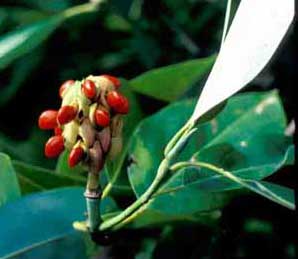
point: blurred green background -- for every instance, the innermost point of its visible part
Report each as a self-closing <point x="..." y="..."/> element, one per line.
<point x="126" y="38"/>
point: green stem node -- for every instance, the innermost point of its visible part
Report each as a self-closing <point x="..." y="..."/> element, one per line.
<point x="171" y="151"/>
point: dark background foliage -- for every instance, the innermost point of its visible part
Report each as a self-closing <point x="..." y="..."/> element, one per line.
<point x="126" y="38"/>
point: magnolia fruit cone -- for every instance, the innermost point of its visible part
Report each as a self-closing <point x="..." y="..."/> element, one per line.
<point x="90" y="126"/>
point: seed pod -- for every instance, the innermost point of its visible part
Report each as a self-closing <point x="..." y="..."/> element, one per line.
<point x="70" y="133"/>
<point x="89" y="89"/>
<point x="66" y="114"/>
<point x="48" y="120"/>
<point x="87" y="132"/>
<point x="118" y="102"/>
<point x="102" y="117"/>
<point x="92" y="112"/>
<point x="58" y="131"/>
<point x="102" y="83"/>
<point x="54" y="146"/>
<point x="96" y="158"/>
<point x="116" y="82"/>
<point x="75" y="156"/>
<point x="83" y="105"/>
<point x="102" y="100"/>
<point x="63" y="88"/>
<point x="104" y="136"/>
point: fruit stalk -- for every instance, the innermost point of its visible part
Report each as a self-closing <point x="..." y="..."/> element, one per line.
<point x="92" y="196"/>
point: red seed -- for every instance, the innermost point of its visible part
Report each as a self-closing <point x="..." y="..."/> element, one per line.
<point x="58" y="131"/>
<point x="116" y="82"/>
<point x="48" y="119"/>
<point x="102" y="117"/>
<point x="124" y="109"/>
<point x="64" y="86"/>
<point x="89" y="89"/>
<point x="75" y="156"/>
<point x="118" y="102"/>
<point x="66" y="114"/>
<point x="54" y="146"/>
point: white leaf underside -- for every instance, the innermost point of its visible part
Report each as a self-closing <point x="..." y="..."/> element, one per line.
<point x="255" y="33"/>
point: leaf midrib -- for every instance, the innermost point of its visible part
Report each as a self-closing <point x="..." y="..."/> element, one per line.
<point x="215" y="177"/>
<point x="47" y="171"/>
<point x="28" y="180"/>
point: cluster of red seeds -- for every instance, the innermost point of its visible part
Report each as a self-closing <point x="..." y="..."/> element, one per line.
<point x="99" y="118"/>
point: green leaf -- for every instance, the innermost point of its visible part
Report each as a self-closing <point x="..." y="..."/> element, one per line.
<point x="20" y="72"/>
<point x="147" y="249"/>
<point x="244" y="123"/>
<point x="116" y="22"/>
<point x="17" y="43"/>
<point x="230" y="133"/>
<point x="48" y="5"/>
<point x="150" y="138"/>
<point x="170" y="82"/>
<point x="9" y="187"/>
<point x="42" y="224"/>
<point x="117" y="177"/>
<point x="246" y="139"/>
<point x="30" y="150"/>
<point x="34" y="178"/>
<point x="23" y="40"/>
<point x="21" y="16"/>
